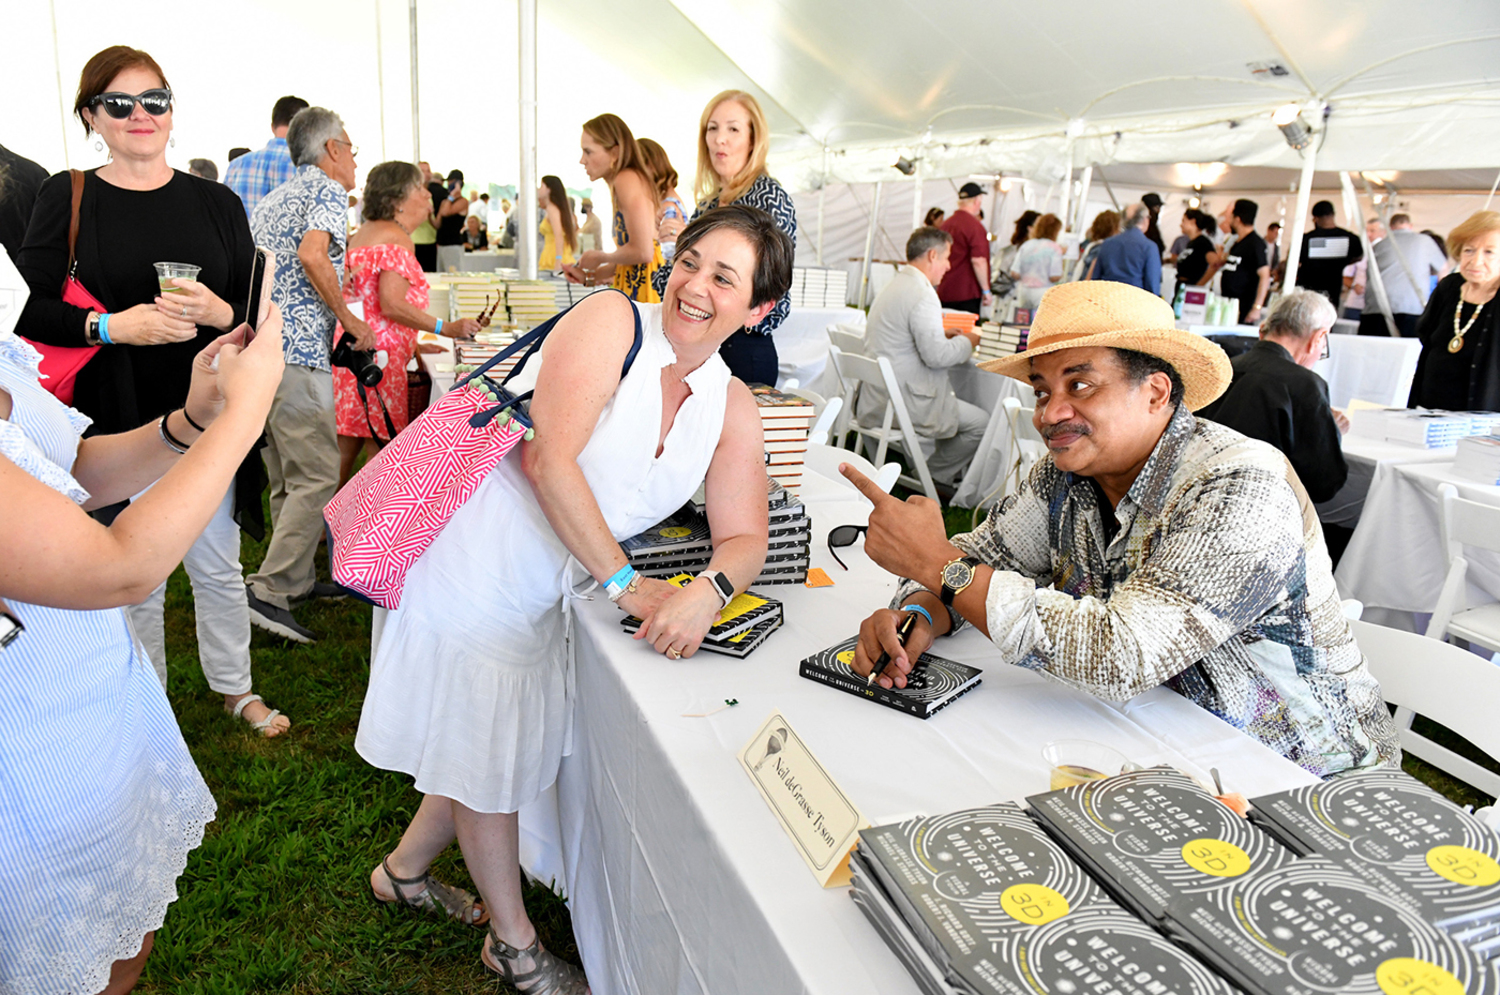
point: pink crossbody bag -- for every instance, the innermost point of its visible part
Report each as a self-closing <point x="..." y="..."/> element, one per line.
<point x="392" y="510"/>
<point x="61" y="364"/>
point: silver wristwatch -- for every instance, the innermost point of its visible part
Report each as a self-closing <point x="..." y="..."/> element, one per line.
<point x="723" y="586"/>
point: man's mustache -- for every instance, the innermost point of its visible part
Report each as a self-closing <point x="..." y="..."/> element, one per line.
<point x="1066" y="428"/>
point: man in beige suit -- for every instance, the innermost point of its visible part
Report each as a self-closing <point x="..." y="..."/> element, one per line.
<point x="906" y="327"/>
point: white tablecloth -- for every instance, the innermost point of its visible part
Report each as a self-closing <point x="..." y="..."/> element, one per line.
<point x="1364" y="456"/>
<point x="1395" y="559"/>
<point x="487" y="261"/>
<point x="679" y="878"/>
<point x="993" y="458"/>
<point x="802" y="343"/>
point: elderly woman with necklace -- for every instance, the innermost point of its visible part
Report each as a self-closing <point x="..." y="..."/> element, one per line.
<point x="1459" y="369"/>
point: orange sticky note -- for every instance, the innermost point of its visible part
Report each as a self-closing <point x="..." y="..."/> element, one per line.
<point x="816" y="577"/>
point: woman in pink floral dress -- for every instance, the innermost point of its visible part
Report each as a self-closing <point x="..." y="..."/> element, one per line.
<point x="382" y="272"/>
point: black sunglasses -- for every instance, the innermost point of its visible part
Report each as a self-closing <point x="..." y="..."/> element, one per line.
<point x="119" y="105"/>
<point x="844" y="535"/>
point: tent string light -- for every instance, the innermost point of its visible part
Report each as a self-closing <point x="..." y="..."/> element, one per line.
<point x="1288" y="117"/>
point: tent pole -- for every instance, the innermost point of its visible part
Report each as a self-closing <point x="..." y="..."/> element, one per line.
<point x="864" y="279"/>
<point x="1299" y="223"/>
<point x="1109" y="190"/>
<point x="1067" y="191"/>
<point x="916" y="197"/>
<point x="1493" y="186"/>
<point x="526" y="232"/>
<point x="1083" y="198"/>
<point x="822" y="196"/>
<point x="62" y="100"/>
<point x="1373" y="280"/>
<point x="416" y="103"/>
<point x="380" y="78"/>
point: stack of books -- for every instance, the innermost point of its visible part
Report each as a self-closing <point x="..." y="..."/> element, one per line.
<point x="818" y="287"/>
<point x="1428" y="429"/>
<point x="996" y="341"/>
<point x="1151" y="836"/>
<point x="439" y="301"/>
<point x="683" y="543"/>
<point x="470" y="354"/>
<point x="472" y="294"/>
<point x="531" y="302"/>
<point x="959" y="321"/>
<point x="565" y="294"/>
<point x="981" y="901"/>
<point x="742" y="625"/>
<point x="1478" y="458"/>
<point x="786" y="420"/>
<point x="1403" y="840"/>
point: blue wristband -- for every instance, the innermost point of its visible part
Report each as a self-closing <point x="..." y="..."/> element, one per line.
<point x="439" y="329"/>
<point x="103" y="329"/>
<point x="922" y="611"/>
<point x="617" y="584"/>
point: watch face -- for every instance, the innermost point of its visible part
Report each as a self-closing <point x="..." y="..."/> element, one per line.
<point x="957" y="574"/>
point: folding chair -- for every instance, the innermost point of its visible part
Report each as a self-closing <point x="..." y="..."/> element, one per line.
<point x="1465" y="523"/>
<point x="859" y="370"/>
<point x="1448" y="685"/>
<point x="848" y="339"/>
<point x="1026" y="448"/>
<point x="826" y="460"/>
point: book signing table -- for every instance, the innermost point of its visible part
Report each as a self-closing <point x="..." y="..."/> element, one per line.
<point x="679" y="877"/>
<point x="1364" y="457"/>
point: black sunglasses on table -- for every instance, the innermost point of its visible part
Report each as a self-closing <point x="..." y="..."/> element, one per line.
<point x="844" y="535"/>
<point x="119" y="105"/>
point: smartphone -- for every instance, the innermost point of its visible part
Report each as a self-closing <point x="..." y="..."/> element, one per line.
<point x="258" y="300"/>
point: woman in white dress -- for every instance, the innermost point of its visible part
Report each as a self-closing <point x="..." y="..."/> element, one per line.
<point x="469" y="688"/>
<point x="101" y="802"/>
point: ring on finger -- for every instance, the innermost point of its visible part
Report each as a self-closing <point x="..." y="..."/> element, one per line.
<point x="672" y="654"/>
<point x="184" y="310"/>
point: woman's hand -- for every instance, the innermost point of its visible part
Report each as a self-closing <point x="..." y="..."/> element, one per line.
<point x="463" y="328"/>
<point x="144" y="324"/>
<point x="680" y="622"/>
<point x="247" y="376"/>
<point x="194" y="302"/>
<point x="647" y="597"/>
<point x="668" y="229"/>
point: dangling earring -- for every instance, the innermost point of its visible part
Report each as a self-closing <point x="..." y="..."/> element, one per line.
<point x="172" y="141"/>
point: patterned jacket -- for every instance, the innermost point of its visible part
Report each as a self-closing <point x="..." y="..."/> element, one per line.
<point x="310" y="201"/>
<point x="771" y="197"/>
<point x="1217" y="585"/>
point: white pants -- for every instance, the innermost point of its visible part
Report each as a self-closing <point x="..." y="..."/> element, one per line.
<point x="213" y="565"/>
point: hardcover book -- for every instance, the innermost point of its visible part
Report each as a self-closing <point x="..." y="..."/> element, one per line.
<point x="1398" y="836"/>
<point x="933" y="684"/>
<point x="745" y="611"/>
<point x="1310" y="927"/>
<point x="739" y="646"/>
<point x="1153" y="835"/>
<point x="986" y="901"/>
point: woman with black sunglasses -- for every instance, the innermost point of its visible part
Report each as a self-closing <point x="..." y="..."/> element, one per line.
<point x="136" y="211"/>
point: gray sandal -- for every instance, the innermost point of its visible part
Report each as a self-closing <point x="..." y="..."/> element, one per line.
<point x="442" y="899"/>
<point x="549" y="976"/>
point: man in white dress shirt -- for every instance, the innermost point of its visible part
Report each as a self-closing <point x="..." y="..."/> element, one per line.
<point x="906" y="327"/>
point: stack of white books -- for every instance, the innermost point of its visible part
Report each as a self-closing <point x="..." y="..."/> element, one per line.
<point x="785" y="420"/>
<point x="996" y="341"/>
<point x="565" y="294"/>
<point x="531" y="302"/>
<point x="1428" y="429"/>
<point x="1478" y="458"/>
<point x="471" y="294"/>
<point x="814" y="286"/>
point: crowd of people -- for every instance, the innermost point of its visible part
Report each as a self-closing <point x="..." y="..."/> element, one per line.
<point x="144" y="413"/>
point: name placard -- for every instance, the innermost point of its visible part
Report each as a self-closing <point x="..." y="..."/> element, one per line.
<point x="821" y="820"/>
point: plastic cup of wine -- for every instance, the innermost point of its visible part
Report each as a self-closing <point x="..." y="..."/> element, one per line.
<point x="167" y="272"/>
<point x="1078" y="761"/>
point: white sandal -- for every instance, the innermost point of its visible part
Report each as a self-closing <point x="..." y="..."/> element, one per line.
<point x="263" y="724"/>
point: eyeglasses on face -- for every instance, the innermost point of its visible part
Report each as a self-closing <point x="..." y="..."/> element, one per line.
<point x="353" y="149"/>
<point x="119" y="105"/>
<point x="844" y="535"/>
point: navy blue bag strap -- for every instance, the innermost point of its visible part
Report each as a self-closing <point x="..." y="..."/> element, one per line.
<point x="531" y="342"/>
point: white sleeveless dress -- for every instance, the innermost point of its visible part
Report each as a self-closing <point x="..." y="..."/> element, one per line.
<point x="100" y="802"/>
<point x="470" y="687"/>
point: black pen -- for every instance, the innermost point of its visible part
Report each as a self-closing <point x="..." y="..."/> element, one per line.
<point x="902" y="631"/>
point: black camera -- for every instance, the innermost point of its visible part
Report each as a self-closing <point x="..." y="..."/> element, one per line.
<point x="360" y="362"/>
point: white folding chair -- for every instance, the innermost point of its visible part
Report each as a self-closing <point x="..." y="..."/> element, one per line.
<point x="1465" y="523"/>
<point x="840" y="427"/>
<point x="1448" y="685"/>
<point x="826" y="419"/>
<point x="1026" y="448"/>
<point x="859" y="370"/>
<point x="848" y="339"/>
<point x="826" y="459"/>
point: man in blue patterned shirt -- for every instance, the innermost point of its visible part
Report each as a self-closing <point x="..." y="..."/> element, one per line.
<point x="1150" y="547"/>
<point x="256" y="174"/>
<point x="304" y="222"/>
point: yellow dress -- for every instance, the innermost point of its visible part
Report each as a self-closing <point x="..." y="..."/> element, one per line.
<point x="635" y="281"/>
<point x="547" y="259"/>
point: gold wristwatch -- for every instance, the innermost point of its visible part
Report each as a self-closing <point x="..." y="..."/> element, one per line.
<point x="957" y="576"/>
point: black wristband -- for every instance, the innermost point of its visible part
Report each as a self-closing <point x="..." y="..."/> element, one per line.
<point x="190" y="421"/>
<point x="166" y="433"/>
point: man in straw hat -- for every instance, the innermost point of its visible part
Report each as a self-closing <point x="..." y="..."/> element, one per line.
<point x="1148" y="548"/>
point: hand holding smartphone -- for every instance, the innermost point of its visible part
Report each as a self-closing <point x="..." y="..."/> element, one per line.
<point x="258" y="300"/>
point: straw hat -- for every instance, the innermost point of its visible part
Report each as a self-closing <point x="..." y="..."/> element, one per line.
<point x="1104" y="314"/>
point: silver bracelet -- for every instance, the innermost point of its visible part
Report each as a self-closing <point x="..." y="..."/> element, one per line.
<point x="166" y="437"/>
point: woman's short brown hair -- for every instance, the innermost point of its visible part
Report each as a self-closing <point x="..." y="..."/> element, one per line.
<point x="99" y="71"/>
<point x="1106" y="225"/>
<point x="1047" y="226"/>
<point x="774" y="250"/>
<point x="387" y="186"/>
<point x="1476" y="224"/>
<point x="613" y="133"/>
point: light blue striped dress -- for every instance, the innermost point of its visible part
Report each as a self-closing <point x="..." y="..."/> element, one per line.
<point x="100" y="801"/>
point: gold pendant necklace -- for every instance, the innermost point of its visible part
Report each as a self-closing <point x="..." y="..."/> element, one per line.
<point x="1457" y="342"/>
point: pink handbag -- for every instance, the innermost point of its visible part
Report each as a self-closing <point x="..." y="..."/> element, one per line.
<point x="392" y="510"/>
<point x="61" y="364"/>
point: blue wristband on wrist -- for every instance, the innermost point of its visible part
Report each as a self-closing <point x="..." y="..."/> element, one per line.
<point x="922" y="611"/>
<point x="439" y="329"/>
<point x="103" y="329"/>
<point x="617" y="584"/>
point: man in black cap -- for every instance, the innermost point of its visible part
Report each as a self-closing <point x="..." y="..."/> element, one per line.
<point x="967" y="284"/>
<point x="1153" y="204"/>
<point x="1326" y="250"/>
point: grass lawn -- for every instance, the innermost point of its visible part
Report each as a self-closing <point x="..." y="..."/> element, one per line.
<point x="277" y="899"/>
